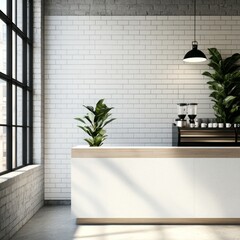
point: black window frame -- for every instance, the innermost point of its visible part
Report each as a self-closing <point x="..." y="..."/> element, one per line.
<point x="25" y="85"/>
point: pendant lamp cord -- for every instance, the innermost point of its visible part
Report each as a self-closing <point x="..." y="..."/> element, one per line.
<point x="194" y="20"/>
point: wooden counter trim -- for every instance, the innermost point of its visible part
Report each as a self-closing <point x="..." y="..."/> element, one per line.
<point x="166" y="221"/>
<point x="155" y="152"/>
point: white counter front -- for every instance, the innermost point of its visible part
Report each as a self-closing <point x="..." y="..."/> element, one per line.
<point x="136" y="188"/>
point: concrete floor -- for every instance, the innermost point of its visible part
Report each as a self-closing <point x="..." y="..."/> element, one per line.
<point x="56" y="223"/>
<point x="49" y="223"/>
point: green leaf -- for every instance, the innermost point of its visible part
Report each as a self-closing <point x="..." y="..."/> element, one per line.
<point x="235" y="76"/>
<point x="90" y="108"/>
<point x="237" y="119"/>
<point x="211" y="82"/>
<point x="234" y="68"/>
<point x="207" y="74"/>
<point x="215" y="55"/>
<point x="216" y="86"/>
<point x="234" y="89"/>
<point x="216" y="95"/>
<point x="235" y="108"/>
<point x="90" y="119"/>
<point x="87" y="130"/>
<point x="89" y="141"/>
<point x="216" y="67"/>
<point x="100" y="106"/>
<point x="98" y="140"/>
<point x="107" y="122"/>
<point x="230" y="62"/>
<point x="102" y="132"/>
<point x="80" y="119"/>
<point x="228" y="101"/>
<point x="97" y="131"/>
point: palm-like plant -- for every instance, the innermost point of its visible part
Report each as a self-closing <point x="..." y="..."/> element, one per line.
<point x="225" y="86"/>
<point x="94" y="123"/>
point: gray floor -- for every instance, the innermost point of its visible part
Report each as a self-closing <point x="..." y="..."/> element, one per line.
<point x="49" y="223"/>
<point x="56" y="222"/>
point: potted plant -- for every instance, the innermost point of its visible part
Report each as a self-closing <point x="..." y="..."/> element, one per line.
<point x="225" y="86"/>
<point x="94" y="122"/>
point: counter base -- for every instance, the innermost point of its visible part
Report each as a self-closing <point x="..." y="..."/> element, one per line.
<point x="158" y="221"/>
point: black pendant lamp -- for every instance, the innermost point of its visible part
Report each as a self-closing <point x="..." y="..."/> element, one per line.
<point x="194" y="55"/>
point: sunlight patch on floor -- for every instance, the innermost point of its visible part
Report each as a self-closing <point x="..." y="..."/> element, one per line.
<point x="157" y="232"/>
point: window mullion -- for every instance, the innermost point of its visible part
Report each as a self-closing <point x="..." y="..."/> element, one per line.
<point x="9" y="88"/>
<point x="30" y="82"/>
<point x="24" y="77"/>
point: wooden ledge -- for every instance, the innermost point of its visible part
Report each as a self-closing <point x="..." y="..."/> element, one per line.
<point x="155" y="221"/>
<point x="156" y="152"/>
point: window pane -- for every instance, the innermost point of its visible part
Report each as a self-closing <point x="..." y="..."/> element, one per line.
<point x="28" y="137"/>
<point x="28" y="107"/>
<point x="19" y="147"/>
<point x="3" y="47"/>
<point x="19" y="106"/>
<point x="3" y="105"/>
<point x="14" y="11"/>
<point x="14" y="104"/>
<point x="28" y="18"/>
<point x="14" y="144"/>
<point x="3" y="6"/>
<point x="14" y="55"/>
<point x="19" y="13"/>
<point x="28" y="64"/>
<point x="3" y="150"/>
<point x="19" y="59"/>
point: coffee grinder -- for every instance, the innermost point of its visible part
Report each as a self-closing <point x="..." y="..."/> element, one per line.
<point x="182" y="112"/>
<point x="192" y="113"/>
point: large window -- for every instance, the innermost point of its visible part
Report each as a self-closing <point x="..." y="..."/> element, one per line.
<point x="16" y="40"/>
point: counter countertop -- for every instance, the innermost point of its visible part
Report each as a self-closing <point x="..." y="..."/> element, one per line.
<point x="154" y="152"/>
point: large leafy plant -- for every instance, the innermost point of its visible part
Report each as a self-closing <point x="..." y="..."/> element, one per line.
<point x="225" y="86"/>
<point x="93" y="123"/>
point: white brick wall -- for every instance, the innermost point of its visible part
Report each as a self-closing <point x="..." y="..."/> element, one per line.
<point x="38" y="84"/>
<point x="21" y="195"/>
<point x="135" y="63"/>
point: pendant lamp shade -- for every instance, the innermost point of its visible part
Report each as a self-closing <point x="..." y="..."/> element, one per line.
<point x="194" y="55"/>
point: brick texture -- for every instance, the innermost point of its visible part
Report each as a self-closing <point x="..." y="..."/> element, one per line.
<point x="21" y="195"/>
<point x="38" y="83"/>
<point x="135" y="63"/>
<point x="141" y="7"/>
